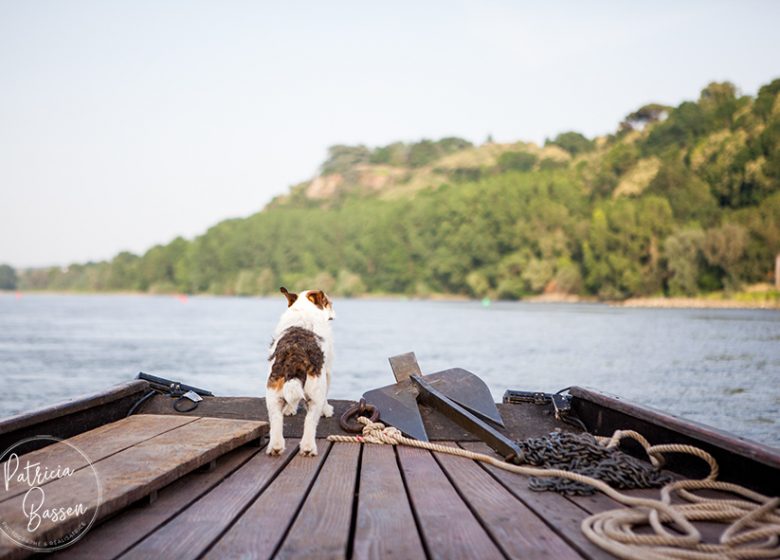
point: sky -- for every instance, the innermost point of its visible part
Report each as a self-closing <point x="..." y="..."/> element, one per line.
<point x="124" y="124"/>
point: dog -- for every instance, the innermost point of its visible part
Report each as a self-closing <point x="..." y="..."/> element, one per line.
<point x="301" y="361"/>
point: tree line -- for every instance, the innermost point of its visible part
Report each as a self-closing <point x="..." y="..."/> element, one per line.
<point x="678" y="201"/>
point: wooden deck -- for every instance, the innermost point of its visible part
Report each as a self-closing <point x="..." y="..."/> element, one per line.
<point x="122" y="462"/>
<point x="352" y="501"/>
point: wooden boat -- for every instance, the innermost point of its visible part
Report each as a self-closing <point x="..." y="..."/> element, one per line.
<point x="197" y="484"/>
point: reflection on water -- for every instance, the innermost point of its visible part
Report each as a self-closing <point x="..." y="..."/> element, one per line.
<point x="720" y="367"/>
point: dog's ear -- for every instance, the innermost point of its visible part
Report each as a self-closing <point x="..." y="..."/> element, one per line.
<point x="318" y="298"/>
<point x="290" y="297"/>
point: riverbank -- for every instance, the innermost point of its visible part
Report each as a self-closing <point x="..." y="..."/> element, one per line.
<point x="750" y="299"/>
<point x="756" y="296"/>
<point x="700" y="303"/>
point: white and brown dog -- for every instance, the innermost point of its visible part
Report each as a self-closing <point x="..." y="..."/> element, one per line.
<point x="301" y="360"/>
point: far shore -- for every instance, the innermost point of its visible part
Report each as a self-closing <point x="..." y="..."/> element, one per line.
<point x="698" y="303"/>
<point x="716" y="301"/>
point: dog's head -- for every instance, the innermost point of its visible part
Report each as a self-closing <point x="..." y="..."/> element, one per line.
<point x="310" y="301"/>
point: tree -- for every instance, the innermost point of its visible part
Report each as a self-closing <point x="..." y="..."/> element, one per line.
<point x="516" y="161"/>
<point x="349" y="284"/>
<point x="723" y="247"/>
<point x="393" y="154"/>
<point x="573" y="142"/>
<point x="8" y="278"/>
<point x="422" y="153"/>
<point x="720" y="101"/>
<point x="685" y="124"/>
<point x="341" y="158"/>
<point x="451" y="144"/>
<point x="683" y="260"/>
<point x="765" y="102"/>
<point x="123" y="273"/>
<point x="690" y="197"/>
<point x="650" y="113"/>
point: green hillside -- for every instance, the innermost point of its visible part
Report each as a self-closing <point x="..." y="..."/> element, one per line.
<point x="678" y="201"/>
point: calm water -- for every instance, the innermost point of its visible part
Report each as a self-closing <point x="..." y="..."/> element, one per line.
<point x="721" y="367"/>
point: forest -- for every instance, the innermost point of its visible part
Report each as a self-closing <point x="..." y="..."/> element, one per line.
<point x="678" y="201"/>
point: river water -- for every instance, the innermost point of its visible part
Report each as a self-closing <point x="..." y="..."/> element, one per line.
<point x="720" y="367"/>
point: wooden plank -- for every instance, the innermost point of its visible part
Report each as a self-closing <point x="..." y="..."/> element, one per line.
<point x="72" y="417"/>
<point x="448" y="527"/>
<point x="384" y="512"/>
<point x="261" y="528"/>
<point x="322" y="528"/>
<point x="560" y="514"/>
<point x="194" y="530"/>
<point x="114" y="537"/>
<point x="100" y="443"/>
<point x="514" y="527"/>
<point x="598" y="502"/>
<point x="135" y="472"/>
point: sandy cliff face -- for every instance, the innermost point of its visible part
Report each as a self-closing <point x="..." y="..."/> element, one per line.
<point x="393" y="181"/>
<point x="324" y="186"/>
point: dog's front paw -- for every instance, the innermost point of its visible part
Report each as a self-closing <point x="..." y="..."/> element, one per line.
<point x="327" y="410"/>
<point x="290" y="410"/>
<point x="309" y="449"/>
<point x="275" y="448"/>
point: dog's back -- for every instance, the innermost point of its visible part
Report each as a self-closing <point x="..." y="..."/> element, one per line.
<point x="298" y="354"/>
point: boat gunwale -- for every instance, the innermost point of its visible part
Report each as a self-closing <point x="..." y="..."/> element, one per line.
<point x="722" y="439"/>
<point x="72" y="405"/>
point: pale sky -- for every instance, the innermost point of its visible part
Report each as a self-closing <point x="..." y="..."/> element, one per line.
<point x="126" y="123"/>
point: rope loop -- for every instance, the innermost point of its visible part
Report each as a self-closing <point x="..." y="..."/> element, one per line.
<point x="752" y="520"/>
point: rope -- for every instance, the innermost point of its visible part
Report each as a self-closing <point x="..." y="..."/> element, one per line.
<point x="753" y="529"/>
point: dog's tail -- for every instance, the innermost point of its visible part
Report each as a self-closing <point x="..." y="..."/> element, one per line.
<point x="292" y="391"/>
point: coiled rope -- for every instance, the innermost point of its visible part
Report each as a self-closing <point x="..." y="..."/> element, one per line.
<point x="753" y="520"/>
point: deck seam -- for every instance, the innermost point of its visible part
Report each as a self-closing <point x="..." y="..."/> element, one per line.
<point x="553" y="527"/>
<point x="145" y="440"/>
<point x="195" y="499"/>
<point x="355" y="501"/>
<point x="249" y="504"/>
<point x="470" y="507"/>
<point x="195" y="419"/>
<point x="583" y="508"/>
<point x="415" y="516"/>
<point x="305" y="497"/>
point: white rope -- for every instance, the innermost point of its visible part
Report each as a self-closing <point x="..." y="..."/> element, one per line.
<point x="752" y="520"/>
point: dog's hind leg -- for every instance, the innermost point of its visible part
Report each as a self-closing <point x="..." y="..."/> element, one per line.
<point x="273" y="402"/>
<point x="315" y="393"/>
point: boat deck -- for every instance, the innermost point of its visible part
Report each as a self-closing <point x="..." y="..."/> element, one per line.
<point x="361" y="501"/>
<point x="351" y="501"/>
